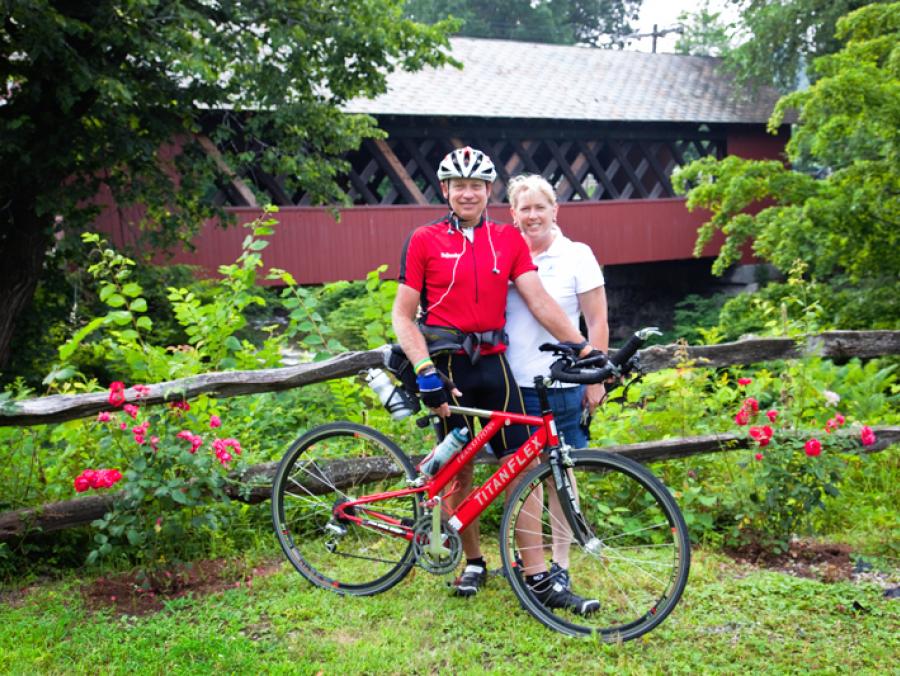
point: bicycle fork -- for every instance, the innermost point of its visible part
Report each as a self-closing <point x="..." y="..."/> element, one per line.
<point x="567" y="492"/>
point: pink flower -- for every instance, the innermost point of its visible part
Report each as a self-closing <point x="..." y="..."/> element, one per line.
<point x="154" y="442"/>
<point x="116" y="393"/>
<point x="221" y="446"/>
<point x="215" y="421"/>
<point x="772" y="415"/>
<point x="867" y="436"/>
<point x="744" y="381"/>
<point x="758" y="456"/>
<point x="195" y="439"/>
<point x="762" y="434"/>
<point x="742" y="417"/>
<point x="141" y="391"/>
<point x="813" y="448"/>
<point x="839" y="419"/>
<point x="751" y="404"/>
<point x="180" y="405"/>
<point x="103" y="416"/>
<point x="131" y="410"/>
<point x="123" y="425"/>
<point x="99" y="478"/>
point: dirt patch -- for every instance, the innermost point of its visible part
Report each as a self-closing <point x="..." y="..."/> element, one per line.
<point x="132" y="594"/>
<point x="824" y="561"/>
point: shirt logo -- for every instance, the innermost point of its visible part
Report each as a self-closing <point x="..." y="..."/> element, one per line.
<point x="448" y="254"/>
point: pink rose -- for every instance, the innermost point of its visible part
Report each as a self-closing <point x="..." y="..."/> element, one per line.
<point x="215" y="421"/>
<point x="103" y="416"/>
<point x="141" y="391"/>
<point x="867" y="436"/>
<point x="81" y="483"/>
<point x="744" y="381"/>
<point x="751" y="404"/>
<point x="742" y="417"/>
<point x="131" y="410"/>
<point x="758" y="456"/>
<point x="116" y="393"/>
<point x="772" y="415"/>
<point x="813" y="448"/>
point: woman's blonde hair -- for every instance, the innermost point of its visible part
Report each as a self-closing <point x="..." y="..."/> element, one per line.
<point x="525" y="182"/>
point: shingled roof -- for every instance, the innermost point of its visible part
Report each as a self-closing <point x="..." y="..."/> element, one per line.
<point x="504" y="78"/>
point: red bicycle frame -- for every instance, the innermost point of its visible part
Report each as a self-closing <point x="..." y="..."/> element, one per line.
<point x="478" y="500"/>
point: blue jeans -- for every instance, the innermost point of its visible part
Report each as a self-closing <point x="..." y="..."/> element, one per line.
<point x="566" y="405"/>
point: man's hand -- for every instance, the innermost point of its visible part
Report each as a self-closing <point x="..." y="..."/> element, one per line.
<point x="433" y="388"/>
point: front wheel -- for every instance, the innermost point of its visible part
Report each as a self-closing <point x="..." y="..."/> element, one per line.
<point x="331" y="465"/>
<point x="624" y="570"/>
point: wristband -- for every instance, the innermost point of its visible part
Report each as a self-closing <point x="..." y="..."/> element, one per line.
<point x="431" y="389"/>
<point x="422" y="365"/>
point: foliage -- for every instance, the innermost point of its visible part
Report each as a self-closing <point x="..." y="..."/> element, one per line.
<point x="119" y="94"/>
<point x="593" y="22"/>
<point x="842" y="220"/>
<point x="704" y="33"/>
<point x="171" y="481"/>
<point x="211" y="322"/>
<point x="785" y="36"/>
<point x="791" y="471"/>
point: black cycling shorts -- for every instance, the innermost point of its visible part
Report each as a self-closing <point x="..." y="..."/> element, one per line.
<point x="488" y="384"/>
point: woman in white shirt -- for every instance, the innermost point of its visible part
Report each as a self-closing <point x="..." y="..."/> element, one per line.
<point x="571" y="275"/>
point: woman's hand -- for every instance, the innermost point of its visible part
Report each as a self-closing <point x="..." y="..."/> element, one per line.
<point x="593" y="395"/>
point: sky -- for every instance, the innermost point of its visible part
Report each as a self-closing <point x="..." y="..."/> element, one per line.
<point x="664" y="13"/>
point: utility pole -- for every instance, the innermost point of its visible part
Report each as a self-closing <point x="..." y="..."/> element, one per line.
<point x="655" y="33"/>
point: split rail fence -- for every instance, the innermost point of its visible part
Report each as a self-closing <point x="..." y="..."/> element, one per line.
<point x="837" y="345"/>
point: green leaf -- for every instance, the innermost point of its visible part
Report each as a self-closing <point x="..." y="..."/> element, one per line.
<point x="138" y="305"/>
<point x="232" y="343"/>
<point x="115" y="300"/>
<point x="120" y="317"/>
<point x="132" y="289"/>
<point x="145" y="323"/>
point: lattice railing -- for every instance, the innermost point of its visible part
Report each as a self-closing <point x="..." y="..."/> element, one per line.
<point x="401" y="169"/>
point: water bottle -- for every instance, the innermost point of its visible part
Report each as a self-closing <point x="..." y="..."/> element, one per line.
<point x="394" y="399"/>
<point x="450" y="446"/>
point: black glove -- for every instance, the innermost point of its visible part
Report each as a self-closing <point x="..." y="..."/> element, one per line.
<point x="431" y="388"/>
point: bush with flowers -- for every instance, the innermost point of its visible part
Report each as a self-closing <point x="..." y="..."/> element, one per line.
<point x="172" y="474"/>
<point x="792" y="469"/>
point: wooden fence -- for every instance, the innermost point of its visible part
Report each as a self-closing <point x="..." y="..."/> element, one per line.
<point x="80" y="511"/>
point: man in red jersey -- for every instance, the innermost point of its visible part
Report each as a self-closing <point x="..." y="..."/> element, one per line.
<point x="457" y="271"/>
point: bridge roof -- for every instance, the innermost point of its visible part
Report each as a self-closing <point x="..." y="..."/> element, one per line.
<point x="509" y="79"/>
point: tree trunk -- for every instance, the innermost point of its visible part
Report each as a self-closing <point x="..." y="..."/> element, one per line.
<point x="24" y="241"/>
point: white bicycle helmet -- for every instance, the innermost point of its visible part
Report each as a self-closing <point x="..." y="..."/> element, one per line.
<point x="467" y="163"/>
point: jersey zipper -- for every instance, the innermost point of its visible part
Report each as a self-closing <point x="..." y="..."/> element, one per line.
<point x="474" y="265"/>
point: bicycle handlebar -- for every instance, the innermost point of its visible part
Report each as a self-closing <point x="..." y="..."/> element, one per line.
<point x="567" y="370"/>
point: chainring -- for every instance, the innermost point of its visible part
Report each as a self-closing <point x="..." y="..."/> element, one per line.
<point x="449" y="539"/>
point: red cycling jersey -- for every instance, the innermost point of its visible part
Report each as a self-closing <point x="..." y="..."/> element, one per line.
<point x="462" y="283"/>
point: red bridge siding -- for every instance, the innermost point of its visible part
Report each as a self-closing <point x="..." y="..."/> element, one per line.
<point x="316" y="249"/>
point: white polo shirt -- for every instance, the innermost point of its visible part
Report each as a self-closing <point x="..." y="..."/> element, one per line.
<point x="566" y="269"/>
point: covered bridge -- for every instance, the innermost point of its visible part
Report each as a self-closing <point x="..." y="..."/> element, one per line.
<point x="607" y="128"/>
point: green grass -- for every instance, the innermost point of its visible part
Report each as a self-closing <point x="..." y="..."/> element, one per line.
<point x="731" y="618"/>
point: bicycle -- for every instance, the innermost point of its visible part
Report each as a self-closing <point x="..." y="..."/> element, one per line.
<point x="354" y="516"/>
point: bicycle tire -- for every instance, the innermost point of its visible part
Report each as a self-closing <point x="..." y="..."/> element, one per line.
<point x="637" y="563"/>
<point x="312" y="477"/>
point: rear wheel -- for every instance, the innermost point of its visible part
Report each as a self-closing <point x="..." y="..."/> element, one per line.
<point x="630" y="552"/>
<point x="331" y="465"/>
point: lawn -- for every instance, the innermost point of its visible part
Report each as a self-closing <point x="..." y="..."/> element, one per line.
<point x="733" y="617"/>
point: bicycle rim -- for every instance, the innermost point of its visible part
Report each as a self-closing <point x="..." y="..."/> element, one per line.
<point x="635" y="563"/>
<point x="333" y="463"/>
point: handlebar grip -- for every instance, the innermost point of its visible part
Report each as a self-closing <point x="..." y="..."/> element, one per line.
<point x="559" y="371"/>
<point x="628" y="350"/>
